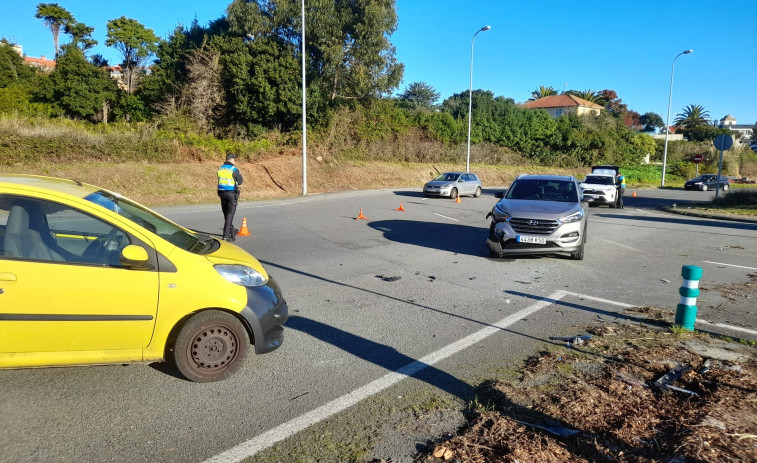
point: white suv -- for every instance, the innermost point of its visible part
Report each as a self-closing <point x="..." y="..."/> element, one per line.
<point x="600" y="189"/>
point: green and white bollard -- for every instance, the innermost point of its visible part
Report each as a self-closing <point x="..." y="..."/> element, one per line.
<point x="686" y="311"/>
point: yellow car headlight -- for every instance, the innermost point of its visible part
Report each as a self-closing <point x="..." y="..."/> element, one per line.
<point x="241" y="275"/>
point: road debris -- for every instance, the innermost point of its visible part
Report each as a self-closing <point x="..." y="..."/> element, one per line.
<point x="572" y="340"/>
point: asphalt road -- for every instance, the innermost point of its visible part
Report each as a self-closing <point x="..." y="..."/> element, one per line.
<point x="370" y="297"/>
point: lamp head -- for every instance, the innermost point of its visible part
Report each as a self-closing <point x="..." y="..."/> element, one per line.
<point x="686" y="52"/>
<point x="486" y="28"/>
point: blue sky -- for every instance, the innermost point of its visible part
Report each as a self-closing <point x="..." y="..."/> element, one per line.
<point x="578" y="45"/>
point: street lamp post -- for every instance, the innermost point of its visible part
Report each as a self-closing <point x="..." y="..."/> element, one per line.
<point x="304" y="113"/>
<point x="470" y="94"/>
<point x="667" y="121"/>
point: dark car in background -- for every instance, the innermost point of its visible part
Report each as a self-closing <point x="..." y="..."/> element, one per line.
<point x="707" y="182"/>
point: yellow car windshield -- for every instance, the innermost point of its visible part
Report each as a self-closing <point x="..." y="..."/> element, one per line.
<point x="152" y="222"/>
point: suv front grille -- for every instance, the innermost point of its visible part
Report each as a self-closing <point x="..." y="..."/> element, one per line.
<point x="533" y="226"/>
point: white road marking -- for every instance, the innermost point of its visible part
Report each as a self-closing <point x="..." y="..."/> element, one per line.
<point x="267" y="439"/>
<point x="729" y="265"/>
<point x="599" y="299"/>
<point x="723" y="325"/>
<point x="618" y="244"/>
<point x="456" y="220"/>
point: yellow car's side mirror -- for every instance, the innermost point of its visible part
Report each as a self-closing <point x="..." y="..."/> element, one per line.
<point x="134" y="256"/>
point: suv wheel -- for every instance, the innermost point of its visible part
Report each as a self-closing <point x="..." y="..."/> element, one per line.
<point x="725" y="187"/>
<point x="704" y="188"/>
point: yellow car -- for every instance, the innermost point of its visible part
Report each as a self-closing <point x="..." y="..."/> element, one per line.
<point x="90" y="277"/>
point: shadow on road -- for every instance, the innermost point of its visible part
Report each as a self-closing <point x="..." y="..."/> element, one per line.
<point x="387" y="296"/>
<point x="460" y="239"/>
<point x="382" y="355"/>
<point x="679" y="220"/>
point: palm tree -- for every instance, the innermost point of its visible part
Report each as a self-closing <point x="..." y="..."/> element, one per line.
<point x="692" y="116"/>
<point x="588" y="95"/>
<point x="54" y="16"/>
<point x="541" y="92"/>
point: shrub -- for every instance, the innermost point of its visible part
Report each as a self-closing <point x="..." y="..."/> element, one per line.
<point x="737" y="198"/>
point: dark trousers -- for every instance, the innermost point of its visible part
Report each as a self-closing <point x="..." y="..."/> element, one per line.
<point x="229" y="207"/>
<point x="619" y="201"/>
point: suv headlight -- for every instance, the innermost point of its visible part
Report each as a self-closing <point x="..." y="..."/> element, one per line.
<point x="241" y="275"/>
<point x="499" y="215"/>
<point x="572" y="218"/>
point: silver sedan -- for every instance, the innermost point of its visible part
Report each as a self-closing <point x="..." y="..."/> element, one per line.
<point x="454" y="184"/>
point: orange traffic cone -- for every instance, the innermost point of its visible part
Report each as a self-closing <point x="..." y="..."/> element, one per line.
<point x="361" y="216"/>
<point x="458" y="200"/>
<point x="400" y="208"/>
<point x="244" y="231"/>
<point x="634" y="194"/>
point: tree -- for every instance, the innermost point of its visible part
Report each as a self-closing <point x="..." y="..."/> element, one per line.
<point x="632" y="119"/>
<point x="54" y="16"/>
<point x="692" y="116"/>
<point x="81" y="35"/>
<point x="13" y="70"/>
<point x="541" y="92"/>
<point x="135" y="42"/>
<point x="651" y="121"/>
<point x="588" y="95"/>
<point x="704" y="132"/>
<point x="614" y="105"/>
<point x="419" y="95"/>
<point x="349" y="53"/>
<point x="203" y="94"/>
<point x="161" y="90"/>
<point x="79" y="88"/>
<point x="262" y="82"/>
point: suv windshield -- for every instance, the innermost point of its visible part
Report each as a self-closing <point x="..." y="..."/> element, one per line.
<point x="152" y="222"/>
<point x="543" y="190"/>
<point x="599" y="180"/>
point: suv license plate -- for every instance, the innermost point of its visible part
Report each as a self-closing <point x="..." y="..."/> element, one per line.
<point x="531" y="239"/>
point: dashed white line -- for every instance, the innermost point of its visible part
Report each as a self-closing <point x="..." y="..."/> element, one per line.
<point x="599" y="299"/>
<point x="729" y="265"/>
<point x="723" y="325"/>
<point x="456" y="220"/>
<point x="618" y="244"/>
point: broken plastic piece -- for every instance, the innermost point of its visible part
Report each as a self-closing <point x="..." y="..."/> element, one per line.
<point x="556" y="430"/>
<point x="572" y="340"/>
<point x="672" y="376"/>
<point x="680" y="389"/>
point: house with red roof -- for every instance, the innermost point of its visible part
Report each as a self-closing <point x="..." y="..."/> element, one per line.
<point x="41" y="63"/>
<point x="557" y="105"/>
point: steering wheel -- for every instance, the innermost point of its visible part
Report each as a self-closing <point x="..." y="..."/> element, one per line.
<point x="101" y="250"/>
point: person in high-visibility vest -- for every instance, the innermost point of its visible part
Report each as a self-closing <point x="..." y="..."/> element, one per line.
<point x="229" y="179"/>
<point x="621" y="184"/>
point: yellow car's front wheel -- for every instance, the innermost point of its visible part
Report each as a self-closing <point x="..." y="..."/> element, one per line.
<point x="211" y="346"/>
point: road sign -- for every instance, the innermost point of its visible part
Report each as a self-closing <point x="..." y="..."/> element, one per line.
<point x="723" y="141"/>
<point x="698" y="158"/>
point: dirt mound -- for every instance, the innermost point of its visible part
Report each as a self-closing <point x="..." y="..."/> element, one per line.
<point x="603" y="400"/>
